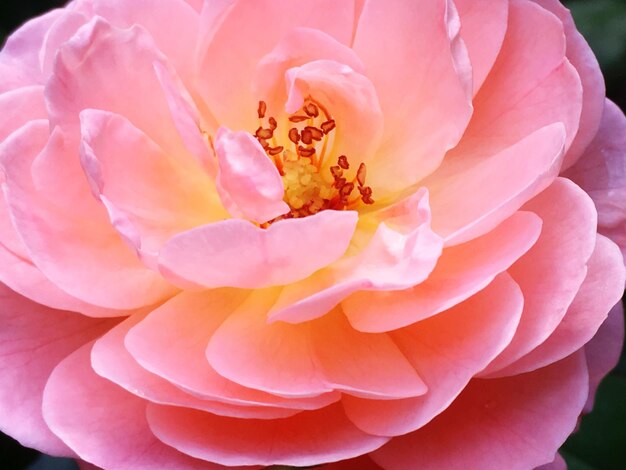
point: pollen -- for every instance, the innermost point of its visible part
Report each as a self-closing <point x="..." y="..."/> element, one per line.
<point x="313" y="181"/>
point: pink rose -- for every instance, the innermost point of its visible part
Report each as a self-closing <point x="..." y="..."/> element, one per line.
<point x="257" y="232"/>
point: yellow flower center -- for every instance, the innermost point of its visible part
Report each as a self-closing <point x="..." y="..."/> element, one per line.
<point x="311" y="184"/>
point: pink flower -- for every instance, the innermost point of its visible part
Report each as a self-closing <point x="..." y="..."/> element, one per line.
<point x="299" y="232"/>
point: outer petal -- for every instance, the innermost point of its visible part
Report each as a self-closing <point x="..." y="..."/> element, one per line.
<point x="247" y="180"/>
<point x="33" y="340"/>
<point x="604" y="350"/>
<point x="583" y="59"/>
<point x="102" y="423"/>
<point x="601" y="290"/>
<point x="187" y="323"/>
<point x="20" y="106"/>
<point x="150" y="196"/>
<point x="601" y="172"/>
<point x="177" y="41"/>
<point x="310" y="438"/>
<point x="255" y="27"/>
<point x="65" y="230"/>
<point x="236" y="253"/>
<point x="426" y="107"/>
<point x="531" y="85"/>
<point x="551" y="273"/>
<point x="111" y="69"/>
<point x="471" y="196"/>
<point x="361" y="463"/>
<point x="483" y="27"/>
<point x="461" y="271"/>
<point x="111" y="360"/>
<point x="309" y="359"/>
<point x="447" y="350"/>
<point x="19" y="58"/>
<point x="401" y="253"/>
<point x="515" y="423"/>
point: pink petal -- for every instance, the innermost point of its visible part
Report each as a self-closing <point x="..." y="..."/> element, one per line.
<point x="583" y="59"/>
<point x="604" y="350"/>
<point x="426" y="107"/>
<point x="515" y="423"/>
<point x="102" y="423"/>
<point x="483" y="27"/>
<point x="236" y="253"/>
<point x="461" y="271"/>
<point x="551" y="273"/>
<point x="66" y="231"/>
<point x="602" y="289"/>
<point x="22" y="276"/>
<point x="172" y="24"/>
<point x="602" y="173"/>
<point x="309" y="438"/>
<point x="298" y="47"/>
<point x="179" y="324"/>
<point x="33" y="340"/>
<point x="364" y="365"/>
<point x="63" y="28"/>
<point x="305" y="360"/>
<point x="447" y="350"/>
<point x="351" y="100"/>
<point x="19" y="57"/>
<point x="112" y="69"/>
<point x="150" y="196"/>
<point x="467" y="204"/>
<point x="247" y="180"/>
<point x="187" y="118"/>
<point x="225" y="83"/>
<point x="274" y="358"/>
<point x="111" y="360"/>
<point x="531" y="85"/>
<point x="19" y="107"/>
<point x="402" y="253"/>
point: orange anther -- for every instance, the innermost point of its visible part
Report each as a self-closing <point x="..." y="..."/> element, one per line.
<point x="328" y="126"/>
<point x="311" y="110"/>
<point x="361" y="174"/>
<point x="316" y="134"/>
<point x="273" y="123"/>
<point x="262" y="109"/>
<point x="294" y="135"/>
<point x="298" y="118"/>
<point x="342" y="161"/>
<point x="275" y="150"/>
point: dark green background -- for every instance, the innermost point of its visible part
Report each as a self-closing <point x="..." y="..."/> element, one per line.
<point x="601" y="442"/>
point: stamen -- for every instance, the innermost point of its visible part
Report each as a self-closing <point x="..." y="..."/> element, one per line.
<point x="307" y="192"/>
<point x="262" y="109"/>
<point x="328" y="126"/>
<point x="294" y="135"/>
<point x="343" y="162"/>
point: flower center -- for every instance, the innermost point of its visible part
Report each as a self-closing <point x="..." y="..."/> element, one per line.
<point x="310" y="185"/>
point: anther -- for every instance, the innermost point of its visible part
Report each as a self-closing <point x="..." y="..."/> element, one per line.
<point x="264" y="133"/>
<point x="294" y="135"/>
<point x="275" y="150"/>
<point x="346" y="189"/>
<point x="361" y="174"/>
<point x="273" y="123"/>
<point x="316" y="133"/>
<point x="328" y="126"/>
<point x="342" y="161"/>
<point x="306" y="152"/>
<point x="298" y="118"/>
<point x="262" y="109"/>
<point x="311" y="110"/>
<point x="336" y="171"/>
<point x="307" y="136"/>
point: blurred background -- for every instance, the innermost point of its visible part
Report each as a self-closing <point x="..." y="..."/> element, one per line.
<point x="600" y="444"/>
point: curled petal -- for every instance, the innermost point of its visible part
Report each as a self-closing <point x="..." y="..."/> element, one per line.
<point x="247" y="180"/>
<point x="236" y="253"/>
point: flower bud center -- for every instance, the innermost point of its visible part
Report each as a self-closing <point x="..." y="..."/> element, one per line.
<point x="311" y="183"/>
